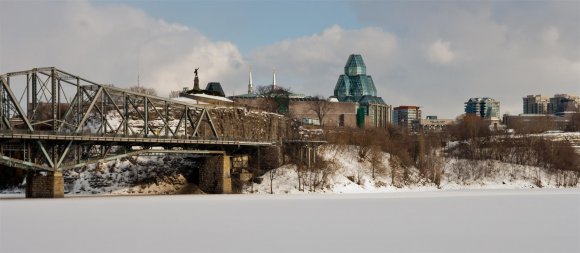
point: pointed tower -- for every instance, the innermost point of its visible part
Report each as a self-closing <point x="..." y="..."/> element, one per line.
<point x="274" y="78"/>
<point x="354" y="84"/>
<point x="358" y="87"/>
<point x="355" y="65"/>
<point x="250" y="83"/>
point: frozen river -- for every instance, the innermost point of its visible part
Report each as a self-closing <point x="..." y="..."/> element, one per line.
<point x="465" y="221"/>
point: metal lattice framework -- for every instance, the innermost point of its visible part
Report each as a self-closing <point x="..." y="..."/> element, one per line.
<point x="52" y="120"/>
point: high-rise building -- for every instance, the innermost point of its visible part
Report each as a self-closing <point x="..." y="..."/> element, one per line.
<point x="562" y="103"/>
<point x="535" y="104"/>
<point x="358" y="87"/>
<point x="405" y="115"/>
<point x="486" y="108"/>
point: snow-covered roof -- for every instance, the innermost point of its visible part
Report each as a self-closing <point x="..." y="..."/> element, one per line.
<point x="202" y="96"/>
<point x="188" y="100"/>
<point x="203" y="99"/>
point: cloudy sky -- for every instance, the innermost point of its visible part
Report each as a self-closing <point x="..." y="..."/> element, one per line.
<point x="435" y="54"/>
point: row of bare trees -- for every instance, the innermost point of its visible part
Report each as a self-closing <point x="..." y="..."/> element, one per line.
<point x="143" y="90"/>
<point x="541" y="124"/>
<point x="476" y="142"/>
<point x="406" y="150"/>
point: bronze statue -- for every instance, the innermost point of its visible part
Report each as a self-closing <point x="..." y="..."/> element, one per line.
<point x="196" y="81"/>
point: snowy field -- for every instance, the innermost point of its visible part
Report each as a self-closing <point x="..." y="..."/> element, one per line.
<point x="541" y="220"/>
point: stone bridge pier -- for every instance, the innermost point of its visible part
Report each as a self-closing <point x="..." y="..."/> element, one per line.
<point x="215" y="175"/>
<point x="225" y="174"/>
<point x="44" y="185"/>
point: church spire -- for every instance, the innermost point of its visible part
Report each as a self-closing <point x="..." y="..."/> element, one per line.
<point x="274" y="78"/>
<point x="250" y="83"/>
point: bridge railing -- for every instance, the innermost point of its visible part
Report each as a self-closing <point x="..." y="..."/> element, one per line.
<point x="50" y="135"/>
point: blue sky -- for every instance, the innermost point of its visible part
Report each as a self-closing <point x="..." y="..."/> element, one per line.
<point x="433" y="54"/>
<point x="254" y="23"/>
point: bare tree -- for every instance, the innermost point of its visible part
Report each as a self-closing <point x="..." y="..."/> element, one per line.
<point x="376" y="159"/>
<point x="574" y="124"/>
<point x="270" y="160"/>
<point x="318" y="174"/>
<point x="174" y="94"/>
<point x="475" y="130"/>
<point x="364" y="141"/>
<point x="143" y="90"/>
<point x="272" y="175"/>
<point x="297" y="157"/>
<point x="321" y="107"/>
<point x="274" y="98"/>
<point x="421" y="160"/>
<point x="301" y="171"/>
<point x="397" y="171"/>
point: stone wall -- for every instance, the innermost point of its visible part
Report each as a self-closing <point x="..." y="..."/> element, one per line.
<point x="249" y="125"/>
<point x="45" y="186"/>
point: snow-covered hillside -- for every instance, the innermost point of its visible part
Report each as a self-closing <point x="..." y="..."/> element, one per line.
<point x="144" y="175"/>
<point x="141" y="175"/>
<point x="572" y="137"/>
<point x="344" y="173"/>
<point x="350" y="175"/>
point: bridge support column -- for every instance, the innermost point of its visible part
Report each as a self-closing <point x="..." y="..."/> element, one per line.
<point x="215" y="175"/>
<point x="45" y="186"/>
<point x="226" y="179"/>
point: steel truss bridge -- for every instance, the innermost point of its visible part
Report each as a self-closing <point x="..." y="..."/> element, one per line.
<point x="52" y="120"/>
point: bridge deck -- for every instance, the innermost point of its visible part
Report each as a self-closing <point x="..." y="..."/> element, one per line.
<point x="134" y="139"/>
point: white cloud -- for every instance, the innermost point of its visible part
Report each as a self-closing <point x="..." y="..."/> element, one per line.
<point x="507" y="50"/>
<point x="111" y="43"/>
<point x="439" y="52"/>
<point x="551" y="35"/>
<point x="312" y="64"/>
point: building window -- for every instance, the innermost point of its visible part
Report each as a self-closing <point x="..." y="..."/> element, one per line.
<point x="309" y="121"/>
<point x="341" y="120"/>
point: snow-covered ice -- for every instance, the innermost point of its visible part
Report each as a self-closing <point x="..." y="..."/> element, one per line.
<point x="541" y="220"/>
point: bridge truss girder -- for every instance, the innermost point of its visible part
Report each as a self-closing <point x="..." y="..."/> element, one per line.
<point x="95" y="121"/>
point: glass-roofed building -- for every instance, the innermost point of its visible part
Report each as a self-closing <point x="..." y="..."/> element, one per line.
<point x="358" y="87"/>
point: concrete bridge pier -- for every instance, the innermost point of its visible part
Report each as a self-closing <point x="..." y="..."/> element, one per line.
<point x="45" y="185"/>
<point x="215" y="175"/>
<point x="225" y="182"/>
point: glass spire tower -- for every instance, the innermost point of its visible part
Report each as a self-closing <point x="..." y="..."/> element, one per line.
<point x="355" y="85"/>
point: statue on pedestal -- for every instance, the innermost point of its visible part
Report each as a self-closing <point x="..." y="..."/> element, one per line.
<point x="196" y="80"/>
